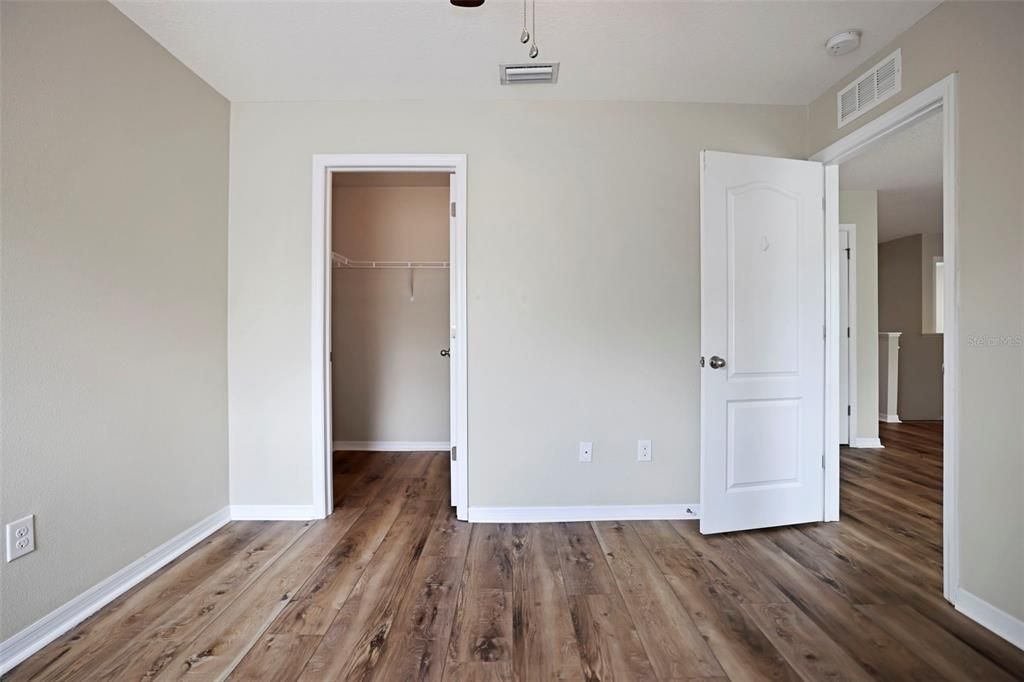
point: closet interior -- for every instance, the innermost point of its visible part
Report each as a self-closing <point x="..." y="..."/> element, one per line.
<point x="389" y="318"/>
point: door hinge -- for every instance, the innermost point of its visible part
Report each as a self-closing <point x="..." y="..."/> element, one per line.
<point x="824" y="332"/>
<point x="453" y="209"/>
<point x="823" y="204"/>
<point x="823" y="460"/>
<point x="330" y="356"/>
<point x="849" y="410"/>
<point x="847" y="249"/>
<point x="455" y="456"/>
<point x="847" y="332"/>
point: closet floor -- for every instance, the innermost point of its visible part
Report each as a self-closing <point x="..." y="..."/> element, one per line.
<point x="392" y="587"/>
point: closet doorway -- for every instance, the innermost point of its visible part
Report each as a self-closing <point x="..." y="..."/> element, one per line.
<point x="389" y="326"/>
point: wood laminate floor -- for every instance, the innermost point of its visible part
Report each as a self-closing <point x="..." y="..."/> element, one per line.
<point x="391" y="587"/>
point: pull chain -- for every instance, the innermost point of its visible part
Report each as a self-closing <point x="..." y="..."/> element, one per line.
<point x="524" y="37"/>
<point x="533" y="48"/>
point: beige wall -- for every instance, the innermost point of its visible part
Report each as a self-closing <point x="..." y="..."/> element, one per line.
<point x="982" y="42"/>
<point x="113" y="298"/>
<point x="583" y="286"/>
<point x="900" y="293"/>
<point x="888" y="374"/>
<point x="390" y="381"/>
<point x="931" y="249"/>
<point x="860" y="208"/>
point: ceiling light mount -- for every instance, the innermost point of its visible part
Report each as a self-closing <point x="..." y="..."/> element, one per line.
<point x="842" y="43"/>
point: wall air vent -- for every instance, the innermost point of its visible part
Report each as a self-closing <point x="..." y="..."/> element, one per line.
<point x="512" y="74"/>
<point x="870" y="89"/>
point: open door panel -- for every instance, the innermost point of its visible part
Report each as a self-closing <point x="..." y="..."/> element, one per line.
<point x="762" y="340"/>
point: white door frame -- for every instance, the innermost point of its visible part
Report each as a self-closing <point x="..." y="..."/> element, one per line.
<point x="941" y="96"/>
<point x="323" y="166"/>
<point x="851" y="362"/>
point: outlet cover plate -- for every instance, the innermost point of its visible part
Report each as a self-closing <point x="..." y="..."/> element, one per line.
<point x="21" y="537"/>
<point x="586" y="451"/>
<point x="643" y="451"/>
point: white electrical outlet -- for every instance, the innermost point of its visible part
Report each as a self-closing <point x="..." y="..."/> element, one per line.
<point x="586" y="451"/>
<point x="21" y="537"/>
<point x="643" y="451"/>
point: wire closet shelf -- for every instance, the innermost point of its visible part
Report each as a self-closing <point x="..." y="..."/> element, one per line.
<point x="340" y="261"/>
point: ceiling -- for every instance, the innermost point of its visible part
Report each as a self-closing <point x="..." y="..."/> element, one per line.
<point x="736" y="51"/>
<point x="906" y="169"/>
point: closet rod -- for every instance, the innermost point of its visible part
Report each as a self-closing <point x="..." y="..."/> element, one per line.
<point x="340" y="261"/>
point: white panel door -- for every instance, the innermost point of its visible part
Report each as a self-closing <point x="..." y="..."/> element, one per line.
<point x="453" y="365"/>
<point x="762" y="340"/>
<point x="329" y="344"/>
<point x="844" y="338"/>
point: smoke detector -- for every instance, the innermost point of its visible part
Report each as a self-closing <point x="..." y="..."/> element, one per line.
<point x="843" y="43"/>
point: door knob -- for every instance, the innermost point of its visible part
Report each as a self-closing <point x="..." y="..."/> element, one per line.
<point x="716" y="362"/>
<point x="445" y="353"/>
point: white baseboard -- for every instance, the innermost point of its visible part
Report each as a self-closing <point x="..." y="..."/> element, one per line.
<point x="626" y="512"/>
<point x="991" y="617"/>
<point x="392" y="445"/>
<point x="33" y="638"/>
<point x="867" y="443"/>
<point x="273" y="512"/>
<point x="889" y="418"/>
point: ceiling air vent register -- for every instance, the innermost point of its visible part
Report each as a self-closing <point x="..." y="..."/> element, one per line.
<point x="512" y="74"/>
<point x="870" y="89"/>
